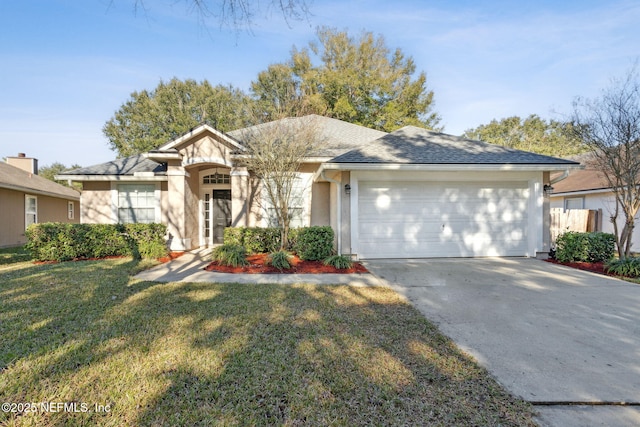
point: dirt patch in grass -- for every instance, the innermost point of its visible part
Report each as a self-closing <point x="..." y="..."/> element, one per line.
<point x="257" y="266"/>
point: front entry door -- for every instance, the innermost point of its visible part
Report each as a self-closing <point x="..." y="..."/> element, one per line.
<point x="220" y="214"/>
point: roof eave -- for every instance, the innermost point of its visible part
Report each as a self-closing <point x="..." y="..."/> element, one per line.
<point x="139" y="177"/>
<point x="543" y="167"/>
<point x="39" y="192"/>
<point x="197" y="131"/>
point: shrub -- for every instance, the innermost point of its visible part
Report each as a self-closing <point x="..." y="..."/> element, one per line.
<point x="147" y="240"/>
<point x="279" y="260"/>
<point x="314" y="243"/>
<point x="628" y="267"/>
<point x="588" y="247"/>
<point x="231" y="255"/>
<point x="339" y="261"/>
<point x="63" y="242"/>
<point x="254" y="239"/>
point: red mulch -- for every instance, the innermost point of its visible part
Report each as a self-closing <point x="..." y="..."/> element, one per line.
<point x="171" y="256"/>
<point x="594" y="267"/>
<point x="298" y="266"/>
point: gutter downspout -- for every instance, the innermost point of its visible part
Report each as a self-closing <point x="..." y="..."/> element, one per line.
<point x="564" y="175"/>
<point x="339" y="207"/>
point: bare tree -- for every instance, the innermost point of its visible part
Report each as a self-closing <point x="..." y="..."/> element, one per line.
<point x="610" y="126"/>
<point x="274" y="153"/>
<point x="238" y="14"/>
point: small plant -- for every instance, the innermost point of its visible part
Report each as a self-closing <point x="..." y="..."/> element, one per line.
<point x="279" y="260"/>
<point x="340" y="262"/>
<point x="628" y="267"/>
<point x="230" y="255"/>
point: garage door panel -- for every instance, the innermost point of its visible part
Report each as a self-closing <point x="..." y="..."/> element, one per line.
<point x="428" y="219"/>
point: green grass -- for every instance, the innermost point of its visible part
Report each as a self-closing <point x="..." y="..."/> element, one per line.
<point x="13" y="255"/>
<point x="229" y="354"/>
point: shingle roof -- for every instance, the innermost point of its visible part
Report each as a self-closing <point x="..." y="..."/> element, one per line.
<point x="413" y="145"/>
<point x="124" y="166"/>
<point x="15" y="178"/>
<point x="337" y="137"/>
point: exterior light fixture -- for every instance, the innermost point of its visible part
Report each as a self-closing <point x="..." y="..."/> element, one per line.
<point x="347" y="189"/>
<point x="548" y="190"/>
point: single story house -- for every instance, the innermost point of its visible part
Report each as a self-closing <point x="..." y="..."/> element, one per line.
<point x="26" y="198"/>
<point x="408" y="193"/>
<point x="588" y="189"/>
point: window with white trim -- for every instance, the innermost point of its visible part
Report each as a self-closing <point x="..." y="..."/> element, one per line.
<point x="216" y="178"/>
<point x="30" y="210"/>
<point x="71" y="210"/>
<point x="136" y="203"/>
<point x="573" y="203"/>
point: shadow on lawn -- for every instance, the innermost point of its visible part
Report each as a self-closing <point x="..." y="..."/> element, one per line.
<point x="193" y="354"/>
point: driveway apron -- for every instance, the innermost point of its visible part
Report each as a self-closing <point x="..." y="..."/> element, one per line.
<point x="550" y="334"/>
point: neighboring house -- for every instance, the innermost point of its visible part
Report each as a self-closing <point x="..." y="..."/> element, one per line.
<point x="409" y="193"/>
<point x="26" y="198"/>
<point x="588" y="189"/>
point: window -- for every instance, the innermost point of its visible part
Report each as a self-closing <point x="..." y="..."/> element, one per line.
<point x="71" y="210"/>
<point x="573" y="203"/>
<point x="136" y="203"/>
<point x="30" y="210"/>
<point x="216" y="178"/>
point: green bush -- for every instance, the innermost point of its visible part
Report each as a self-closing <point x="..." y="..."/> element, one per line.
<point x="314" y="243"/>
<point x="628" y="267"/>
<point x="231" y="255"/>
<point x="341" y="262"/>
<point x="587" y="247"/>
<point x="254" y="239"/>
<point x="63" y="242"/>
<point x="279" y="260"/>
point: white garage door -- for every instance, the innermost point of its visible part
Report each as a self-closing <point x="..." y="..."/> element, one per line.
<point x="442" y="219"/>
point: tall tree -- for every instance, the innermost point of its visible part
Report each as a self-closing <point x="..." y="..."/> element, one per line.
<point x="610" y="126"/>
<point x="359" y="80"/>
<point x="50" y="171"/>
<point x="551" y="138"/>
<point x="151" y="118"/>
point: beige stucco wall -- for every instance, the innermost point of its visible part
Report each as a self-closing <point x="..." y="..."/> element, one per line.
<point x="207" y="148"/>
<point x="320" y="204"/>
<point x="12" y="219"/>
<point x="192" y="217"/>
<point x="96" y="203"/>
<point x="12" y="223"/>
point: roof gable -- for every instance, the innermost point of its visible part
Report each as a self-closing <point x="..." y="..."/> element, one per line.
<point x="413" y="145"/>
<point x="14" y="178"/>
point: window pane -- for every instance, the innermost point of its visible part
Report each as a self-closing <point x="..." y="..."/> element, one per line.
<point x="136" y="203"/>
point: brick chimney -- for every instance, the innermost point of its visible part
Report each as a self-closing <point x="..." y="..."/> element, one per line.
<point x="23" y="162"/>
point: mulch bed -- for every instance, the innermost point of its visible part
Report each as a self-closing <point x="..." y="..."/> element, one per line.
<point x="298" y="266"/>
<point x="594" y="267"/>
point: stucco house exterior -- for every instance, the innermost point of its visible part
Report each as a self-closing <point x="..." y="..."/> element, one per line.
<point x="26" y="198"/>
<point x="588" y="189"/>
<point x="409" y="193"/>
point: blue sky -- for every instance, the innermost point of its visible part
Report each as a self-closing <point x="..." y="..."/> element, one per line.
<point x="67" y="65"/>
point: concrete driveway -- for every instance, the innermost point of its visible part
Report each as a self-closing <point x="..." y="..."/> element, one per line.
<point x="552" y="335"/>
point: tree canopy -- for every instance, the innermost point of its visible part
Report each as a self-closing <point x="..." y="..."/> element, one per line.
<point x="50" y="171"/>
<point x="150" y="118"/>
<point x="551" y="138"/>
<point x="358" y="80"/>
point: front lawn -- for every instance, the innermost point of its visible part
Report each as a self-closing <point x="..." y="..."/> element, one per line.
<point x="100" y="348"/>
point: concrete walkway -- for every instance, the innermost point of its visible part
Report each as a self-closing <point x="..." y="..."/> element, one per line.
<point x="190" y="268"/>
<point x="553" y="335"/>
